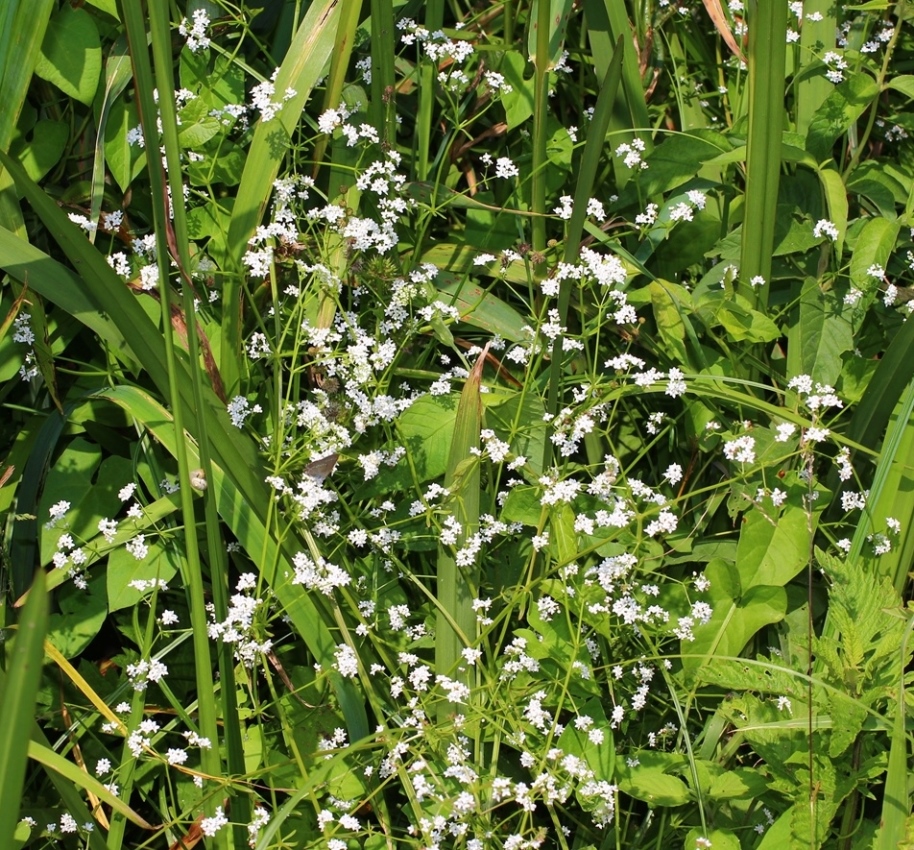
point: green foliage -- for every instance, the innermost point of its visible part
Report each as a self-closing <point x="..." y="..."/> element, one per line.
<point x="493" y="428"/>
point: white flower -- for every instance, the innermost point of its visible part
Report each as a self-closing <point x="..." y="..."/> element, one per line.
<point x="347" y="663"/>
<point x="741" y="449"/>
<point x="196" y="36"/>
<point x="210" y="826"/>
<point x="825" y="228"/>
<point x="505" y="168"/>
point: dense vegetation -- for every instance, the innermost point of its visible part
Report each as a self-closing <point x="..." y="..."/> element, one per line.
<point x="456" y="426"/>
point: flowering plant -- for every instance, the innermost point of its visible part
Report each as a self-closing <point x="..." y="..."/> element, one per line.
<point x="423" y="452"/>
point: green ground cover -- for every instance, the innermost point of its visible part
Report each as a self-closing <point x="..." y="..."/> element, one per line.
<point x="437" y="425"/>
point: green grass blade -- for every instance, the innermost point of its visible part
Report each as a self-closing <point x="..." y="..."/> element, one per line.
<point x="21" y="35"/>
<point x="894" y="371"/>
<point x="383" y="37"/>
<point x="55" y="762"/>
<point x="607" y="22"/>
<point x="300" y="71"/>
<point x="434" y="17"/>
<point x="584" y="190"/>
<point x="339" y="65"/>
<point x="896" y="806"/>
<point x="816" y="38"/>
<point x="540" y="56"/>
<point x="767" y="55"/>
<point x="455" y="626"/>
<point x="17" y="708"/>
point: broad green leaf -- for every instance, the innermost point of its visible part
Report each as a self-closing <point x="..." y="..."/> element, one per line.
<point x="563" y="537"/>
<point x="836" y="201"/>
<point x="518" y="103"/>
<point x="677" y="159"/>
<point x="824" y="334"/>
<point x="125" y="161"/>
<point x="649" y="780"/>
<point x="219" y="85"/>
<point x="81" y="617"/>
<point x="523" y="505"/>
<point x="71" y="55"/>
<point x="17" y="704"/>
<point x="745" y="324"/>
<point x="460" y="258"/>
<point x="743" y="783"/>
<point x="772" y="552"/>
<point x="600" y="757"/>
<point x="70" y="480"/>
<point x="719" y="839"/>
<point x="841" y="109"/>
<point x="670" y="302"/>
<point x="426" y="428"/>
<point x="778" y="836"/>
<point x="734" y="623"/>
<point x="874" y="246"/>
<point x="482" y="309"/>
<point x="903" y="83"/>
<point x="90" y="485"/>
<point x="123" y="568"/>
<point x="517" y="418"/>
<point x="44" y="147"/>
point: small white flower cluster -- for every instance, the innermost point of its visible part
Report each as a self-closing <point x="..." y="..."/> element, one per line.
<point x="239" y="409"/>
<point x="320" y="575"/>
<point x="23" y="334"/>
<point x="824" y="227"/>
<point x="262" y="98"/>
<point x="196" y="34"/>
<point x="817" y="396"/>
<point x="632" y="153"/>
<point x="836" y="65"/>
<point x="239" y="627"/>
<point x="144" y="672"/>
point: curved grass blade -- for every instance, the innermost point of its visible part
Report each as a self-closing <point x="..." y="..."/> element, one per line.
<point x="17" y="708"/>
<point x="339" y="64"/>
<point x="21" y="36"/>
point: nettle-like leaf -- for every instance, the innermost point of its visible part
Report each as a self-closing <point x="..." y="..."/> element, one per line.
<point x="865" y="649"/>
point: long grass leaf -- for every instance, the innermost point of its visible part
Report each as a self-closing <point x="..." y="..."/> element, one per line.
<point x="607" y="22"/>
<point x="584" y="190"/>
<point x="301" y="69"/>
<point x="339" y="65"/>
<point x="17" y="707"/>
<point x="455" y="627"/>
<point x="896" y="806"/>
<point x="152" y="117"/>
<point x="767" y="57"/>
<point x="55" y="762"/>
<point x="817" y="37"/>
<point x="23" y="28"/>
